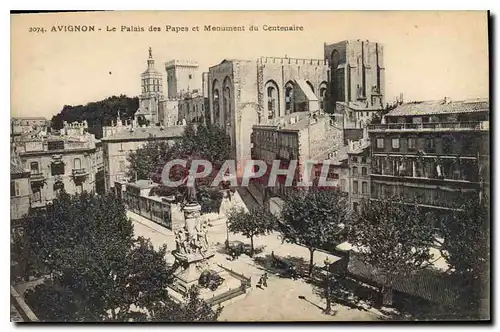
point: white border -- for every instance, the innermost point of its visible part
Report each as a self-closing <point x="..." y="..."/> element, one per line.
<point x="194" y="5"/>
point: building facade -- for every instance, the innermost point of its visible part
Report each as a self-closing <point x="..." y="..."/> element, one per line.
<point x="19" y="188"/>
<point x="243" y="93"/>
<point x="301" y="136"/>
<point x="359" y="172"/>
<point x="60" y="162"/>
<point x="434" y="153"/>
<point x="356" y="73"/>
<point x="124" y="139"/>
<point x="182" y="77"/>
<point x="22" y="126"/>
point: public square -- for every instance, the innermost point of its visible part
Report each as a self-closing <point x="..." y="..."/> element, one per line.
<point x="284" y="299"/>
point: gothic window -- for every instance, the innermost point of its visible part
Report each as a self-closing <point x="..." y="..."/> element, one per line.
<point x="322" y="94"/>
<point x="216" y="104"/>
<point x="289" y="100"/>
<point x="271" y="102"/>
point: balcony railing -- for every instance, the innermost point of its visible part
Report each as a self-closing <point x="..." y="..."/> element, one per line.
<point x="430" y="126"/>
<point x="79" y="172"/>
<point x="37" y="176"/>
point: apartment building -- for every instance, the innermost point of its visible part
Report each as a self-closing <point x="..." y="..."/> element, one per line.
<point x="434" y="153"/>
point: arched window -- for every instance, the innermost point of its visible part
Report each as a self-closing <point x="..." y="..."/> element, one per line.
<point x="77" y="163"/>
<point x="322" y="95"/>
<point x="227" y="87"/>
<point x="216" y="105"/>
<point x="272" y="102"/>
<point x="289" y="100"/>
<point x="354" y="171"/>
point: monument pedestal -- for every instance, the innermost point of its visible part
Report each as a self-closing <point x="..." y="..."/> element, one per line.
<point x="190" y="267"/>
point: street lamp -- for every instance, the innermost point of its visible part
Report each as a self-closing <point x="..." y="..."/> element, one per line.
<point x="327" y="286"/>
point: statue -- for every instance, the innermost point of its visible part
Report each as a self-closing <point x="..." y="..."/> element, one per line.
<point x="150" y="53"/>
<point x="190" y="195"/>
<point x="180" y="241"/>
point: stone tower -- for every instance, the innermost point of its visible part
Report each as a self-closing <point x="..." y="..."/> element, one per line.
<point x="182" y="77"/>
<point x="151" y="91"/>
<point x="356" y="73"/>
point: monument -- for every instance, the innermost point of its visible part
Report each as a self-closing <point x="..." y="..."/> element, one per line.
<point x="192" y="253"/>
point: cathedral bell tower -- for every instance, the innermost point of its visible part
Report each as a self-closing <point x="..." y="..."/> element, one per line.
<point x="151" y="92"/>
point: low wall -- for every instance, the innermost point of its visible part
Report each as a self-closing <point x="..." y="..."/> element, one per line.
<point x="21" y="306"/>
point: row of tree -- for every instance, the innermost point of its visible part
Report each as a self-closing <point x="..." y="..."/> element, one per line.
<point x="93" y="267"/>
<point x="389" y="235"/>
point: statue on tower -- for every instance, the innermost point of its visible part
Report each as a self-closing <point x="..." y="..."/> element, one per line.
<point x="150" y="52"/>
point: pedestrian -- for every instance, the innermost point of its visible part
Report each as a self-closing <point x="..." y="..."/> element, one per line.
<point x="259" y="284"/>
<point x="264" y="279"/>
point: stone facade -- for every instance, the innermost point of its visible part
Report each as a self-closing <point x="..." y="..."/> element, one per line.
<point x="70" y="162"/>
<point x="126" y="139"/>
<point x="19" y="188"/>
<point x="357" y="73"/>
<point x="193" y="108"/>
<point x="300" y="136"/>
<point x="182" y="77"/>
<point x="359" y="172"/>
<point x="21" y="126"/>
<point x="435" y="153"/>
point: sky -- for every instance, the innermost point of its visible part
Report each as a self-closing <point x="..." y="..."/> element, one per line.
<point x="427" y="54"/>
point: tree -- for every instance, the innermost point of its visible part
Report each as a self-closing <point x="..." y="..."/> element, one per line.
<point x="466" y="248"/>
<point x="150" y="159"/>
<point x="98" y="270"/>
<point x="314" y="218"/>
<point x="193" y="309"/>
<point x="97" y="113"/>
<point x="393" y="237"/>
<point x="250" y="224"/>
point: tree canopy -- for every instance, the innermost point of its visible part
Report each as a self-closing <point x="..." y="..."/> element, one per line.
<point x="97" y="270"/>
<point x="314" y="218"/>
<point x="254" y="223"/>
<point x="98" y="114"/>
<point x="393" y="236"/>
<point x="466" y="248"/>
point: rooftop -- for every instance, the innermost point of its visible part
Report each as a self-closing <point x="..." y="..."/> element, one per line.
<point x="143" y="133"/>
<point x="440" y="107"/>
<point x="142" y="184"/>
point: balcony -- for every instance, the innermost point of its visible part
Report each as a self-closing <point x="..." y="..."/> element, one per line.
<point x="79" y="173"/>
<point x="431" y="126"/>
<point x="37" y="177"/>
